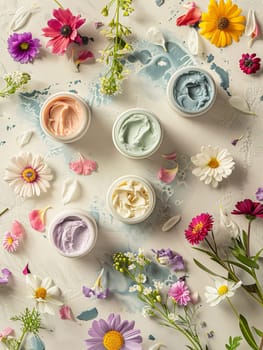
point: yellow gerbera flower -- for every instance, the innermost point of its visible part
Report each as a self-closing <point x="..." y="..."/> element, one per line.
<point x="222" y="23"/>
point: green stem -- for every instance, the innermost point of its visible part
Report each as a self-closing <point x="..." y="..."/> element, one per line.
<point x="248" y="238"/>
<point x="59" y="4"/>
<point x="4" y="211"/>
<point x="233" y="307"/>
<point x="21" y="338"/>
<point x="210" y="246"/>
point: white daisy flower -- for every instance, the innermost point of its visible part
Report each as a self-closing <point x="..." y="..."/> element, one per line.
<point x="28" y="175"/>
<point x="147" y="290"/>
<point x="45" y="293"/>
<point x="223" y="289"/>
<point x="140" y="278"/>
<point x="213" y="165"/>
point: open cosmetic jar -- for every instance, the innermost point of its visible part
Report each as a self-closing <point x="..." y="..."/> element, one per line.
<point x="65" y="117"/>
<point x="191" y="91"/>
<point x="137" y="133"/>
<point x="131" y="199"/>
<point x="73" y="233"/>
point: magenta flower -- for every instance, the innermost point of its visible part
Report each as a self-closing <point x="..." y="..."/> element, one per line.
<point x="113" y="334"/>
<point x="198" y="228"/>
<point x="180" y="293"/>
<point x="5" y="276"/>
<point x="169" y="258"/>
<point x="259" y="194"/>
<point x="22" y="47"/>
<point x="249" y="208"/>
<point x="63" y="30"/>
<point x="249" y="63"/>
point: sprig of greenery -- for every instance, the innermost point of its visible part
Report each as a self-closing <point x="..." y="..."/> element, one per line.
<point x="233" y="343"/>
<point x="14" y="81"/>
<point x="157" y="303"/>
<point x="118" y="46"/>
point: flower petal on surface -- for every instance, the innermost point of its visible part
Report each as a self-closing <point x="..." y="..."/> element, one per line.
<point x="167" y="175"/>
<point x="17" y="229"/>
<point x="170" y="156"/>
<point x="37" y="219"/>
<point x="65" y="313"/>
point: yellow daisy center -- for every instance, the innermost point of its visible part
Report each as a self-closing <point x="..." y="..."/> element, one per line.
<point x="10" y="240"/>
<point x="113" y="340"/>
<point x="29" y="174"/>
<point x="222" y="23"/>
<point x="24" y="46"/>
<point x="40" y="293"/>
<point x="213" y="163"/>
<point x="198" y="227"/>
<point x="222" y="290"/>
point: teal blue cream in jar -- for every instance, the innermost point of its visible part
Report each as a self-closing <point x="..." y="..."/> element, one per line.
<point x="137" y="133"/>
<point x="191" y="91"/>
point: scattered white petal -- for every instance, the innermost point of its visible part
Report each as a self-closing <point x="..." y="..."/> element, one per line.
<point x="250" y="23"/>
<point x="156" y="346"/>
<point x="170" y="223"/>
<point x="24" y="138"/>
<point x="240" y="104"/>
<point x="156" y="37"/>
<point x="70" y="190"/>
<point x="22" y="16"/>
<point x="194" y="42"/>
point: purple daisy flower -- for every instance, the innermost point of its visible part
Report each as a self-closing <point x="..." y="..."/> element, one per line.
<point x="113" y="334"/>
<point x="22" y="47"/>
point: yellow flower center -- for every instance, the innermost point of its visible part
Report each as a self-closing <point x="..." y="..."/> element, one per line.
<point x="222" y="290"/>
<point x="29" y="175"/>
<point x="24" y="46"/>
<point x="10" y="240"/>
<point x="113" y="340"/>
<point x="213" y="163"/>
<point x="222" y="23"/>
<point x="198" y="227"/>
<point x="40" y="293"/>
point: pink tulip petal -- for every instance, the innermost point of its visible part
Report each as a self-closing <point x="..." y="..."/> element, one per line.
<point x="169" y="156"/>
<point x="191" y="17"/>
<point x="37" y="219"/>
<point x="65" y="313"/>
<point x="26" y="270"/>
<point x="17" y="229"/>
<point x="83" y="166"/>
<point x="167" y="175"/>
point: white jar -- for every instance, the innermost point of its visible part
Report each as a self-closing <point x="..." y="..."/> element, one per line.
<point x="65" y="117"/>
<point x="73" y="233"/>
<point x="137" y="133"/>
<point x="191" y="91"/>
<point x="131" y="199"/>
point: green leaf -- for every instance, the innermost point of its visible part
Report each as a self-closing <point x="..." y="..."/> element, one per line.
<point x="204" y="251"/>
<point x="251" y="288"/>
<point x="245" y="238"/>
<point x="233" y="343"/>
<point x="257" y="256"/>
<point x="244" y="327"/>
<point x="245" y="260"/>
<point x="203" y="267"/>
<point x="258" y="331"/>
<point x="236" y="263"/>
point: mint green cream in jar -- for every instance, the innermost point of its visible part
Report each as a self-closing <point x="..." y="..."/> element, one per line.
<point x="137" y="133"/>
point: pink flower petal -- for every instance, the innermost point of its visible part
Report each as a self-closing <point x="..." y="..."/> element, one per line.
<point x="37" y="219"/>
<point x="83" y="166"/>
<point x="167" y="175"/>
<point x="6" y="332"/>
<point x="65" y="313"/>
<point x="26" y="270"/>
<point x="256" y="33"/>
<point x="17" y="229"/>
<point x="169" y="156"/>
<point x="191" y="17"/>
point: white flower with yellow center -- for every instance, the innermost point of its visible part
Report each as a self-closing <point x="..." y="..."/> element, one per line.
<point x="44" y="292"/>
<point x="212" y="165"/>
<point x="223" y="289"/>
<point x="28" y="175"/>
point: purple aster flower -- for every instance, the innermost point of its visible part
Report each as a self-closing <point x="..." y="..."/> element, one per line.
<point x="6" y="274"/>
<point x="259" y="194"/>
<point x="97" y="290"/>
<point x="169" y="258"/>
<point x="113" y="334"/>
<point x="22" y="47"/>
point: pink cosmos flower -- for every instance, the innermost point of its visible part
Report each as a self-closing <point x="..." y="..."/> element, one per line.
<point x="249" y="63"/>
<point x="37" y="219"/>
<point x="249" y="208"/>
<point x="6" y="332"/>
<point x="63" y="30"/>
<point x="191" y="17"/>
<point x="198" y="228"/>
<point x="180" y="293"/>
<point x="10" y="242"/>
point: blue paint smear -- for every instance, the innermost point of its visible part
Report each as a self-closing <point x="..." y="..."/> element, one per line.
<point x="88" y="315"/>
<point x="151" y="337"/>
<point x="223" y="75"/>
<point x="159" y="2"/>
<point x="210" y="58"/>
<point x="143" y="56"/>
<point x="32" y="342"/>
